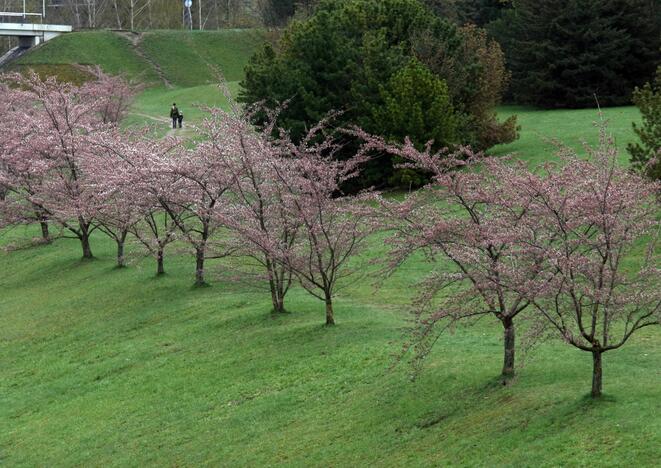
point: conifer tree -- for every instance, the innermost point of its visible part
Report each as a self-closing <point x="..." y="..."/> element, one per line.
<point x="563" y="53"/>
<point x="645" y="155"/>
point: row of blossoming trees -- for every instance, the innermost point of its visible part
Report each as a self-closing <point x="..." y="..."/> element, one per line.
<point x="569" y="249"/>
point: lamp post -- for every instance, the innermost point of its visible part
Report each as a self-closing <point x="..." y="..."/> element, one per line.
<point x="188" y="18"/>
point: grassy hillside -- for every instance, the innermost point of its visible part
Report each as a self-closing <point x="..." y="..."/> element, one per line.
<point x="100" y="366"/>
<point x="572" y="127"/>
<point x="115" y="367"/>
<point x="180" y="58"/>
<point x="113" y="53"/>
<point x="193" y="58"/>
<point x="188" y="62"/>
<point x="152" y="107"/>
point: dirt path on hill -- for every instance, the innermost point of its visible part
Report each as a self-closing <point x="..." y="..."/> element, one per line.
<point x="136" y="39"/>
<point x="183" y="132"/>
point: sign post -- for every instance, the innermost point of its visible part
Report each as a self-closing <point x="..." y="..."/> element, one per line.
<point x="188" y="18"/>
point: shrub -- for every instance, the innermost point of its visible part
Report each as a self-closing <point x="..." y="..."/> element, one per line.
<point x="416" y="104"/>
<point x="344" y="57"/>
<point x="648" y="100"/>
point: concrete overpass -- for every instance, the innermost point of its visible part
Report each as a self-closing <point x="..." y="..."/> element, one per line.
<point x="32" y="34"/>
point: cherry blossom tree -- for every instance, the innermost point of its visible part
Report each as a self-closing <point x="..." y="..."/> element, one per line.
<point x="600" y="225"/>
<point x="118" y="210"/>
<point x="187" y="185"/>
<point x="469" y="222"/>
<point x="155" y="233"/>
<point x="197" y="185"/>
<point x="573" y="245"/>
<point x="112" y="95"/>
<point x="255" y="213"/>
<point x="57" y="123"/>
<point x="333" y="227"/>
<point x="21" y="175"/>
<point x="131" y="185"/>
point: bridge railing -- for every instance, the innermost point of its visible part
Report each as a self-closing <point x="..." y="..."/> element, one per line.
<point x="23" y="9"/>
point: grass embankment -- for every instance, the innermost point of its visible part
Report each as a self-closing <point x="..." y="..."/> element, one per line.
<point x="115" y="367"/>
<point x="572" y="127"/>
<point x="101" y="366"/>
<point x="112" y="52"/>
<point x="176" y="66"/>
<point x="186" y="59"/>
<point x="195" y="58"/>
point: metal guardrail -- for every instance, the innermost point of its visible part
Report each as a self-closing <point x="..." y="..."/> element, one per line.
<point x="25" y="13"/>
<point x="4" y="13"/>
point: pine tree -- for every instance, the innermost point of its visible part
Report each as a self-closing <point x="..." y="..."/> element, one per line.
<point x="648" y="100"/>
<point x="564" y="53"/>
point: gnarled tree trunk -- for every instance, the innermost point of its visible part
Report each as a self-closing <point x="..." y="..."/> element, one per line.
<point x="199" y="267"/>
<point x="160" y="267"/>
<point x="121" y="240"/>
<point x="596" y="373"/>
<point x="45" y="233"/>
<point x="330" y="319"/>
<point x="277" y="287"/>
<point x="84" y="236"/>
<point x="508" y="342"/>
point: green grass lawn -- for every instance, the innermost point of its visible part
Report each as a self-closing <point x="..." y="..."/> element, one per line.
<point x="572" y="127"/>
<point x="100" y="366"/>
<point x="186" y="59"/>
<point x="152" y="106"/>
<point x="110" y="51"/>
<point x="115" y="367"/>
<point x="194" y="58"/>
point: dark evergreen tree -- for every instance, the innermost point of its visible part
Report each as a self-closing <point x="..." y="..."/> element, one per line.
<point x="646" y="155"/>
<point x="478" y="12"/>
<point x="343" y="58"/>
<point x="563" y="53"/>
<point x="276" y="13"/>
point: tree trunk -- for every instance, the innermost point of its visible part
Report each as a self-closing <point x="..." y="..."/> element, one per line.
<point x="596" y="373"/>
<point x="160" y="268"/>
<point x="277" y="290"/>
<point x="199" y="267"/>
<point x="84" y="236"/>
<point x="276" y="299"/>
<point x="121" y="261"/>
<point x="508" y="341"/>
<point x="85" y="243"/>
<point x="45" y="233"/>
<point x="330" y="319"/>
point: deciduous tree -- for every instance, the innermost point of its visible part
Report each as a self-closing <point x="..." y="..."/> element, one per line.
<point x="333" y="226"/>
<point x="263" y="229"/>
<point x="55" y="125"/>
<point x="125" y="169"/>
<point x="600" y="225"/>
<point x="470" y="223"/>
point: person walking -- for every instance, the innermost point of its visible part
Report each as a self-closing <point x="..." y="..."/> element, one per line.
<point x="174" y="115"/>
<point x="180" y="118"/>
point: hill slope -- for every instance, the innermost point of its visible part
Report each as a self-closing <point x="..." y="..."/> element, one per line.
<point x="100" y="366"/>
<point x="178" y="58"/>
<point x="115" y="367"/>
<point x="112" y="52"/>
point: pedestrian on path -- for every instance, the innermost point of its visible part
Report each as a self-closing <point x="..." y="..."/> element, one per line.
<point x="180" y="118"/>
<point x="174" y="115"/>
